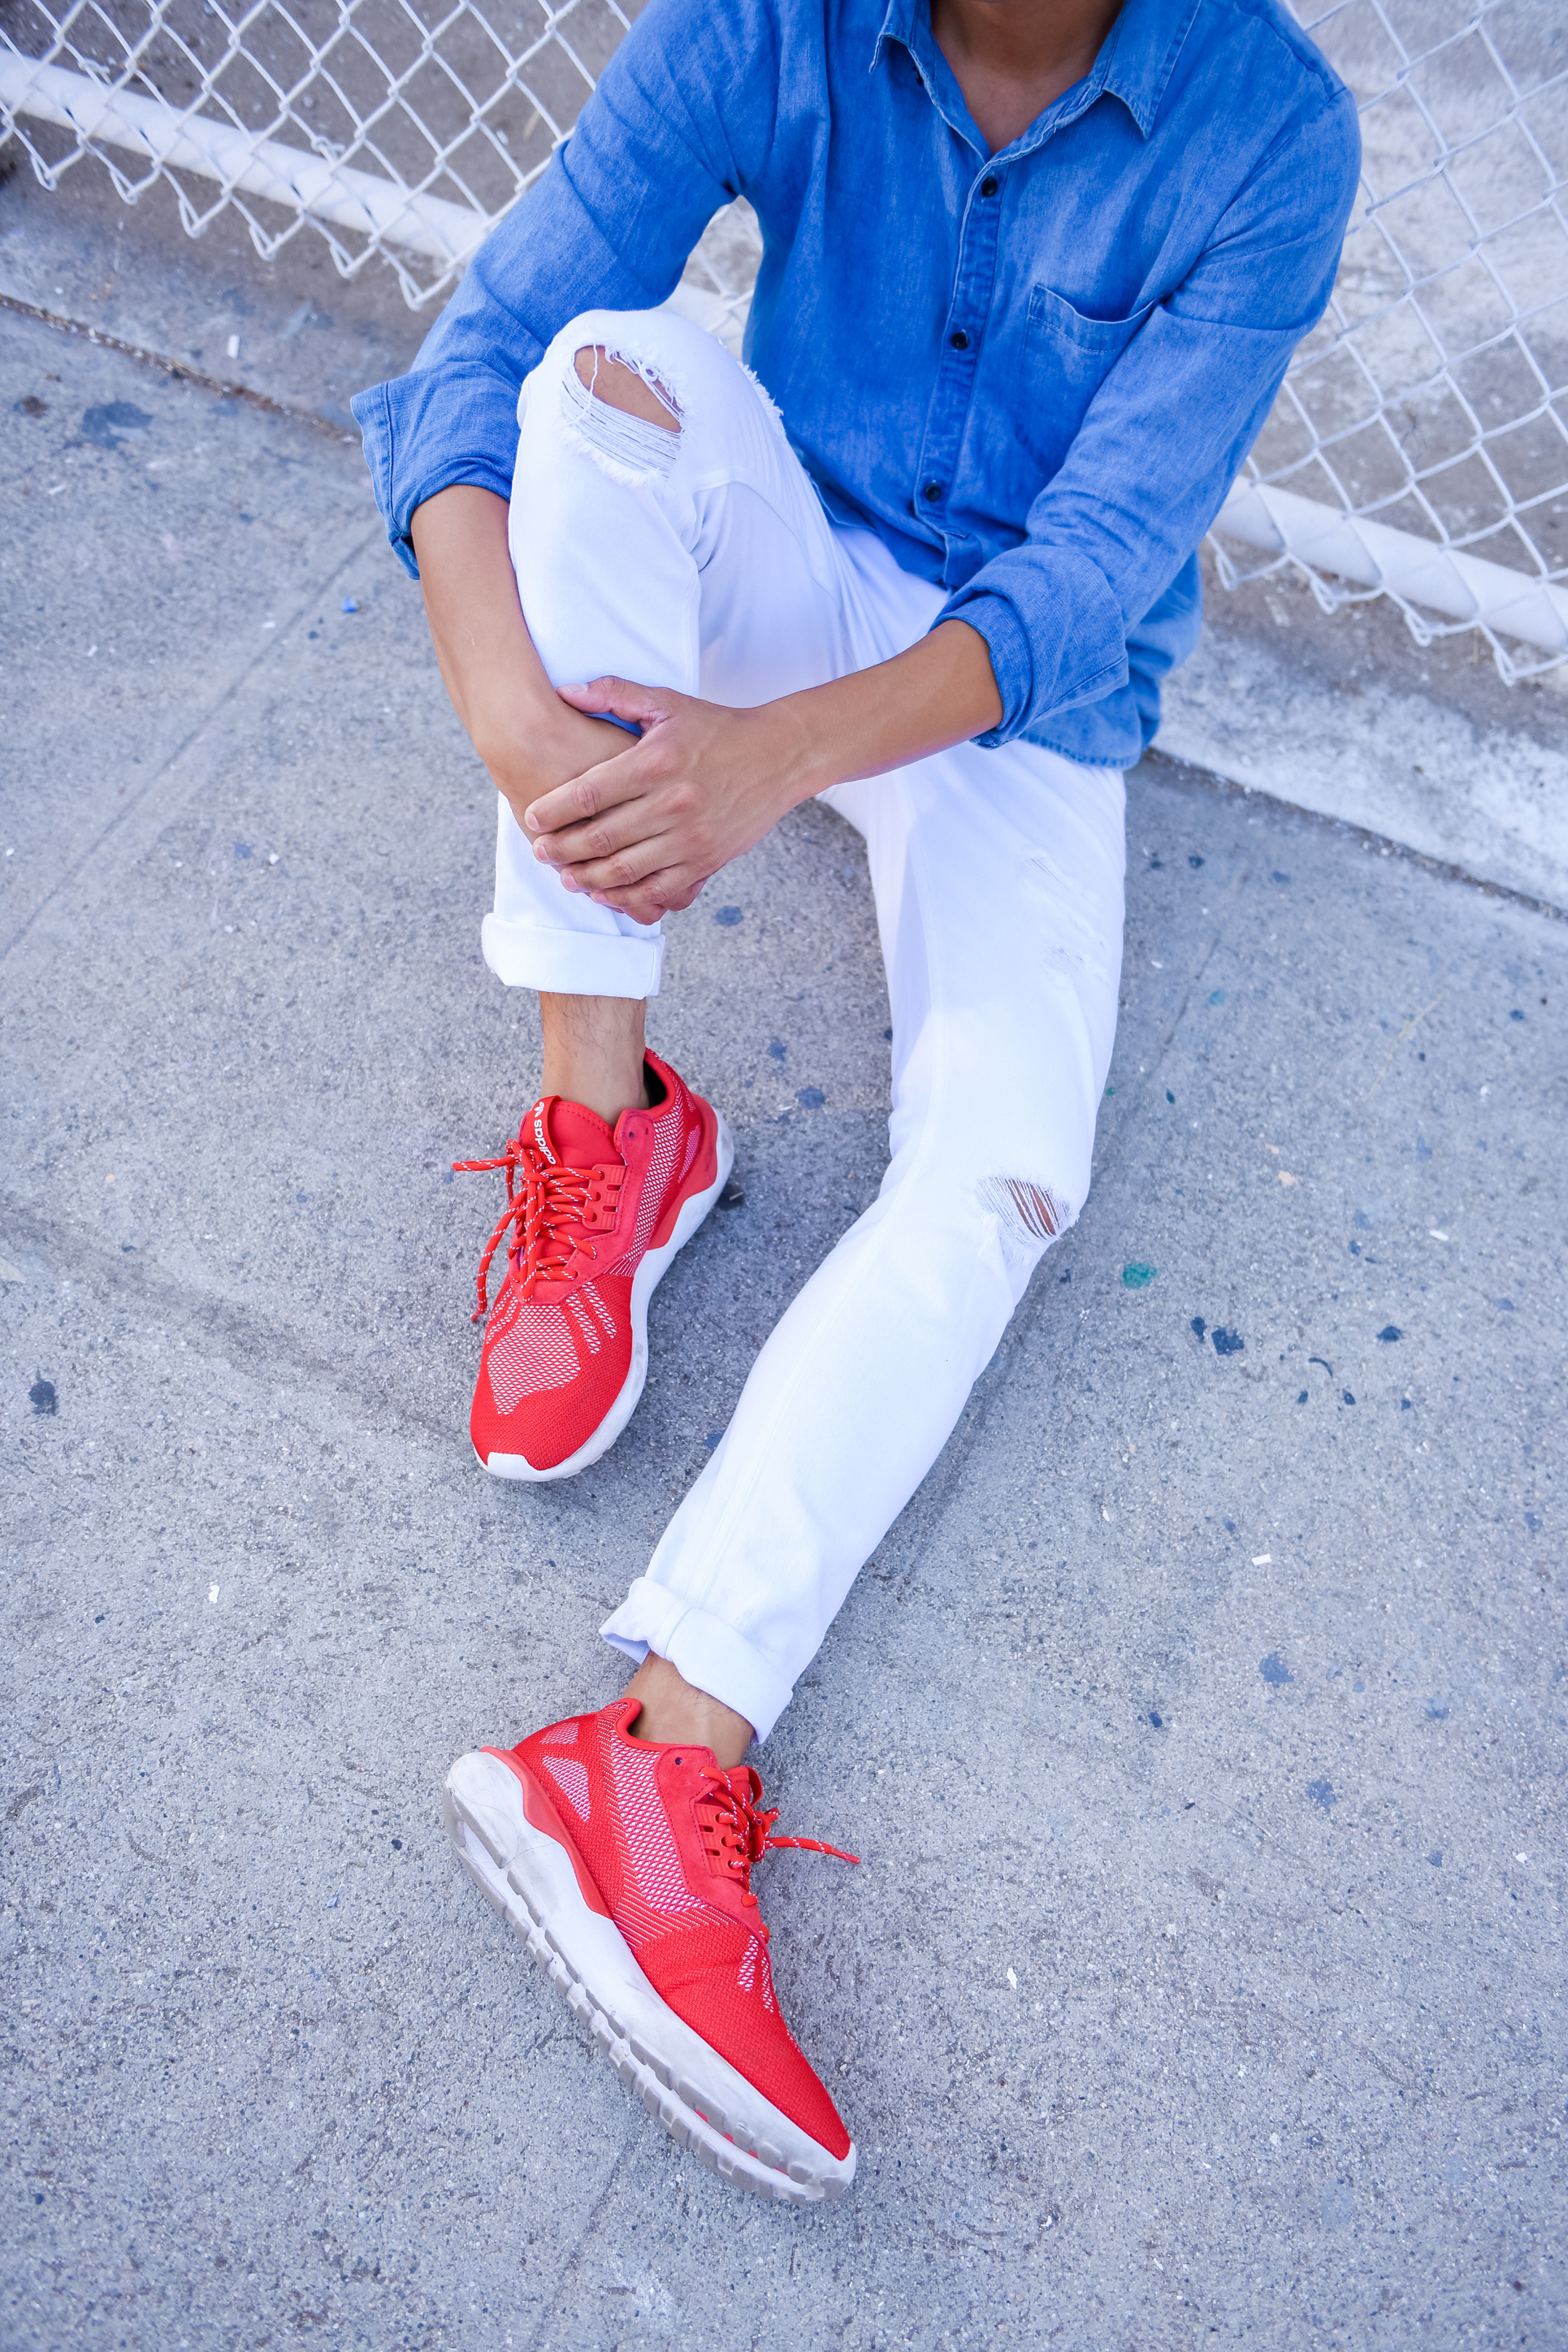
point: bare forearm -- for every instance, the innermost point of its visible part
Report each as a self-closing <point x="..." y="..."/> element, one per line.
<point x="481" y="639"/>
<point x="942" y="691"/>
<point x="528" y="738"/>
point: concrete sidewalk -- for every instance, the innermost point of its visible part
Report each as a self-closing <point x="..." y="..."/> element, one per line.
<point x="1201" y="1721"/>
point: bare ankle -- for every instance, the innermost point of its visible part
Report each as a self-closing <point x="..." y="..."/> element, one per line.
<point x="673" y="1710"/>
<point x="594" y="1048"/>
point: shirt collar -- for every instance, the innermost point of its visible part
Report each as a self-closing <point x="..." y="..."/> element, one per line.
<point x="1140" y="52"/>
<point x="1134" y="64"/>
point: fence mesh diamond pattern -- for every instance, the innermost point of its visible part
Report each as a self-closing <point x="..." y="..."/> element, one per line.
<point x="1419" y="448"/>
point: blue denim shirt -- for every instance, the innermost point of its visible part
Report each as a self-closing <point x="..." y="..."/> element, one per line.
<point x="1035" y="372"/>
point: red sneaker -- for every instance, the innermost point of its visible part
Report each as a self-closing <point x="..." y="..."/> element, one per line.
<point x="626" y="1868"/>
<point x="596" y="1220"/>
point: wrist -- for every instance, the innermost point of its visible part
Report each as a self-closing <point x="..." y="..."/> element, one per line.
<point x="523" y="732"/>
<point x="809" y="763"/>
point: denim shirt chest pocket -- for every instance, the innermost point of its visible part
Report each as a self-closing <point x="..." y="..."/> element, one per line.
<point x="1065" y="357"/>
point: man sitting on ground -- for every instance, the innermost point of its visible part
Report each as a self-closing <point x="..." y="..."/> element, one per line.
<point x="1032" y="273"/>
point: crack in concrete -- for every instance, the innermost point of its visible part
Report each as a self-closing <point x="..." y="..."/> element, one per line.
<point x="256" y="1343"/>
<point x="194" y="735"/>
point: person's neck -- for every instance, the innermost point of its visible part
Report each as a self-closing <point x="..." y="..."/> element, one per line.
<point x="1011" y="58"/>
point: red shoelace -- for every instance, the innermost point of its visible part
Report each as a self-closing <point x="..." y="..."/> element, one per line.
<point x="738" y="1832"/>
<point x="548" y="1200"/>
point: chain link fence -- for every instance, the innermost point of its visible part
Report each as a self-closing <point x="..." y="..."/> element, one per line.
<point x="1417" y="450"/>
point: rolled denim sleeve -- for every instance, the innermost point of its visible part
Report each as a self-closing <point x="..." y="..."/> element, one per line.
<point x="658" y="148"/>
<point x="438" y="426"/>
<point x="1165" y="436"/>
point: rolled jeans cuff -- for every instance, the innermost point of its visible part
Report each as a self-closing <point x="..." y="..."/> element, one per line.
<point x="573" y="962"/>
<point x="708" y="1654"/>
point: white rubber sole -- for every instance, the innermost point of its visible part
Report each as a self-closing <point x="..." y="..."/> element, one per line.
<point x="704" y="2105"/>
<point x="656" y="1265"/>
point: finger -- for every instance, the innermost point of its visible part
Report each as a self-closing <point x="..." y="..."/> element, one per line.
<point x="637" y="905"/>
<point x="664" y="891"/>
<point x="627" y="870"/>
<point x="664" y="802"/>
<point x="607" y="835"/>
<point x="585" y="796"/>
<point x="619" y="697"/>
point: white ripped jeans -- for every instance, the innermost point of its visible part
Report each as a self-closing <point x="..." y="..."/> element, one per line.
<point x="702" y="559"/>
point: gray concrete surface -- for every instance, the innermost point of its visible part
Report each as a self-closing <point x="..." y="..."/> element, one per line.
<point x="1201" y="1721"/>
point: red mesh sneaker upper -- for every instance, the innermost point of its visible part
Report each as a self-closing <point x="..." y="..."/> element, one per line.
<point x="668" y="1840"/>
<point x="583" y="1206"/>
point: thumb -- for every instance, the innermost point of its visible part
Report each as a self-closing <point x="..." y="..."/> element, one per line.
<point x="617" y="698"/>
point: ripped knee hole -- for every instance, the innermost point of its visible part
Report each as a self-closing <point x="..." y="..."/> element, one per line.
<point x="622" y="385"/>
<point x="1031" y="1211"/>
<point x="621" y="416"/>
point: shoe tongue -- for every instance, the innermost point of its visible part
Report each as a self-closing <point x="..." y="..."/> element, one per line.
<point x="572" y="1134"/>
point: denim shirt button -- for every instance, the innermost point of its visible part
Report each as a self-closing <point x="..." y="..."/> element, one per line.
<point x="933" y="491"/>
<point x="959" y="340"/>
<point x="989" y="185"/>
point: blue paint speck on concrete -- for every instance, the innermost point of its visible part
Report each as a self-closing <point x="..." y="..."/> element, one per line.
<point x="348" y="605"/>
<point x="103" y="425"/>
<point x="1216" y="996"/>
<point x="728" y="916"/>
<point x="1137" y="1276"/>
<point x="1516" y="1014"/>
<point x="1336" y="2204"/>
<point x="811" y="1098"/>
<point x="1390" y="1331"/>
<point x="1321" y="1793"/>
<point x="1347" y="1396"/>
<point x="1227" y="1343"/>
<point x="1274" y="1671"/>
<point x="1199" y="1325"/>
<point x="1436" y="1857"/>
<point x="712" y="1438"/>
<point x="1195" y="863"/>
<point x="1504" y="1305"/>
<point x="777" y="1049"/>
<point x="1302" y="1398"/>
<point x="242" y="849"/>
<point x="1437" y="1710"/>
<point x="1278" y="877"/>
